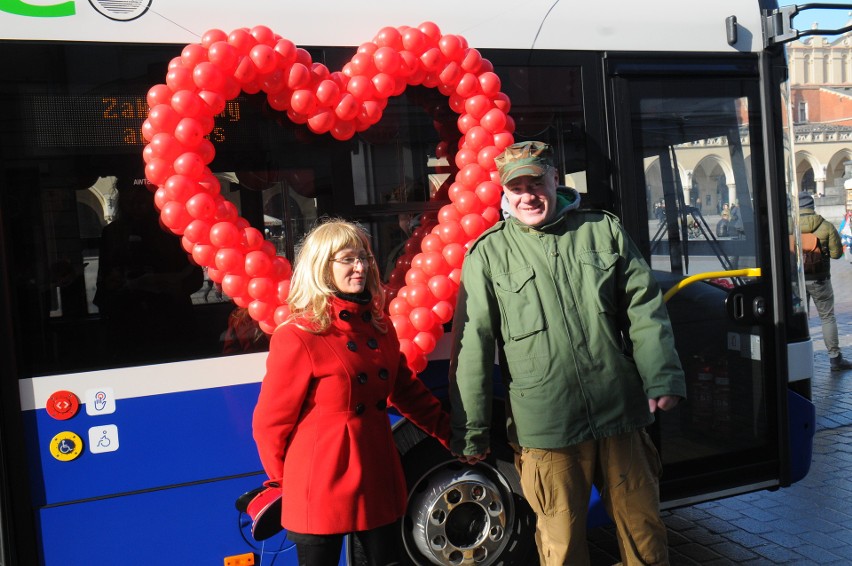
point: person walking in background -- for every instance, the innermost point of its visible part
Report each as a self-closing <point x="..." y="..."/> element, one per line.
<point x="320" y="424"/>
<point x="818" y="283"/>
<point x="846" y="236"/>
<point x="563" y="298"/>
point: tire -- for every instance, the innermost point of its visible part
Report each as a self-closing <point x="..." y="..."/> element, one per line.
<point x="459" y="514"/>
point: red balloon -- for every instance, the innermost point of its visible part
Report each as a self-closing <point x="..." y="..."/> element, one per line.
<point x="443" y="311"/>
<point x="175" y="217"/>
<point x="431" y="243"/>
<point x="224" y="235"/>
<point x="189" y="132"/>
<point x="494" y="121"/>
<point x="262" y="288"/>
<point x="242" y="40"/>
<point x="163" y="118"/>
<point x="257" y="264"/>
<point x="441" y="287"/>
<point x="158" y="171"/>
<point x="204" y="254"/>
<point x="384" y="85"/>
<point x="389" y="37"/>
<point x="404" y="329"/>
<point x="198" y="232"/>
<point x="328" y="93"/>
<point x="468" y="86"/>
<point x="472" y="61"/>
<point x="472" y="175"/>
<point x="361" y="87"/>
<point x="451" y="232"/>
<point x="489" y="83"/>
<point x="419" y="362"/>
<point x="263" y="58"/>
<point x="224" y="56"/>
<point x="453" y="254"/>
<point x="180" y="78"/>
<point x="398" y="306"/>
<point x="422" y="318"/>
<point x="282" y="313"/>
<point x="448" y="213"/>
<point x="414" y="40"/>
<point x="416" y="276"/>
<point x="491" y="215"/>
<point x="420" y="296"/>
<point x="212" y="36"/>
<point x="159" y="94"/>
<point x="425" y="340"/>
<point x="234" y="285"/>
<point x="303" y="101"/>
<point x="468" y="202"/>
<point x="260" y="310"/>
<point x="230" y="260"/>
<point x="434" y="263"/>
<point x="489" y="193"/>
<point x="189" y="164"/>
<point x="348" y="107"/>
<point x="473" y="225"/>
<point x="386" y="60"/>
<point x="209" y="76"/>
<point x="201" y="206"/>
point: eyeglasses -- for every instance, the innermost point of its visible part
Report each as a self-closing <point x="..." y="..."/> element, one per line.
<point x="364" y="260"/>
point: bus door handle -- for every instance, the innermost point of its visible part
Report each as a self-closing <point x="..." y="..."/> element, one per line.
<point x="746" y="305"/>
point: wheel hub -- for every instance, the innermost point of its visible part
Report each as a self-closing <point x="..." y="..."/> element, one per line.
<point x="459" y="515"/>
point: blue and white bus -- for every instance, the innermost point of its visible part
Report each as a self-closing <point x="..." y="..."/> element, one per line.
<point x="132" y="357"/>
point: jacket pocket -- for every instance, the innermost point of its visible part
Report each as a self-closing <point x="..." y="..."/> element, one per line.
<point x="602" y="278"/>
<point x="520" y="302"/>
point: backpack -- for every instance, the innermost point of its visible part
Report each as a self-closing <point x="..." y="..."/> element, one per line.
<point x="813" y="253"/>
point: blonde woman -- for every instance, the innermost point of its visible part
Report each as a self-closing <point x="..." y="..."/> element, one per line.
<point x="320" y="423"/>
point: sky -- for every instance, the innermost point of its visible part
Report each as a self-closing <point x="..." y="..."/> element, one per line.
<point x="827" y="19"/>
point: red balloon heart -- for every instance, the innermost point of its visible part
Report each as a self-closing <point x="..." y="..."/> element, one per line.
<point x="205" y="76"/>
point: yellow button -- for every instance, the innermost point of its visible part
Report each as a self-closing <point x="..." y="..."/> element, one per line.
<point x="66" y="446"/>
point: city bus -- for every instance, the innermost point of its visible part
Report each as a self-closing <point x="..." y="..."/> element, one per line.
<point x="161" y="161"/>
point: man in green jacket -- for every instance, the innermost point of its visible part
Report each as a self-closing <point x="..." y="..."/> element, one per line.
<point x="566" y="303"/>
<point x="818" y="283"/>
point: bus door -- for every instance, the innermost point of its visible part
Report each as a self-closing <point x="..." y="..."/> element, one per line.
<point x="689" y="170"/>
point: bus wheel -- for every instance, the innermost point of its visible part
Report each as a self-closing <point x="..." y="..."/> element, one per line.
<point x="459" y="514"/>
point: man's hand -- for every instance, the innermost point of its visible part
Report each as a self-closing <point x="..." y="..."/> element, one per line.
<point x="472" y="458"/>
<point x="666" y="403"/>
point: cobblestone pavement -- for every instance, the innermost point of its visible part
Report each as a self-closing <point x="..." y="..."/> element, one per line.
<point x="808" y="523"/>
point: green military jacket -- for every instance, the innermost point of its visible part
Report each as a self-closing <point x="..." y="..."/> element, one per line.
<point x="811" y="222"/>
<point x="577" y="322"/>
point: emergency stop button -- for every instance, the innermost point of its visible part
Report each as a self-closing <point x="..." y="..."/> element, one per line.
<point x="62" y="405"/>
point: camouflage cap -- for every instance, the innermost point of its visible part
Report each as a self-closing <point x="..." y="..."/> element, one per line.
<point x="525" y="158"/>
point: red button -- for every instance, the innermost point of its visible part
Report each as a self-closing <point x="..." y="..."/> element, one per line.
<point x="62" y="405"/>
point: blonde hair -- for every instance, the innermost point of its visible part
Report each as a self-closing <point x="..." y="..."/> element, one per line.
<point x="312" y="284"/>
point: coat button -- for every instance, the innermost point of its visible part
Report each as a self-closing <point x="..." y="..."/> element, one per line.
<point x="345" y="315"/>
<point x="352" y="346"/>
<point x="362" y="377"/>
<point x="384" y="374"/>
<point x="372" y="343"/>
<point x="382" y="404"/>
<point x="367" y="316"/>
<point x="359" y="409"/>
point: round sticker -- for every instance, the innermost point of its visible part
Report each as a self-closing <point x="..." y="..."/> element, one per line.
<point x="62" y="405"/>
<point x="66" y="446"/>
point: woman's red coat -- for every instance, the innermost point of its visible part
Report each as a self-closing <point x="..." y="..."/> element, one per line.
<point x="322" y="429"/>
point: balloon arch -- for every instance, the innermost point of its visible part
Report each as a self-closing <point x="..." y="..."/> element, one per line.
<point x="424" y="285"/>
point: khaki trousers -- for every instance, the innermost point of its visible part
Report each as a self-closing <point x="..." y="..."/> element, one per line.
<point x="558" y="483"/>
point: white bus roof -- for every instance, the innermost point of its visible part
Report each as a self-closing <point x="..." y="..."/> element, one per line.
<point x="625" y="25"/>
